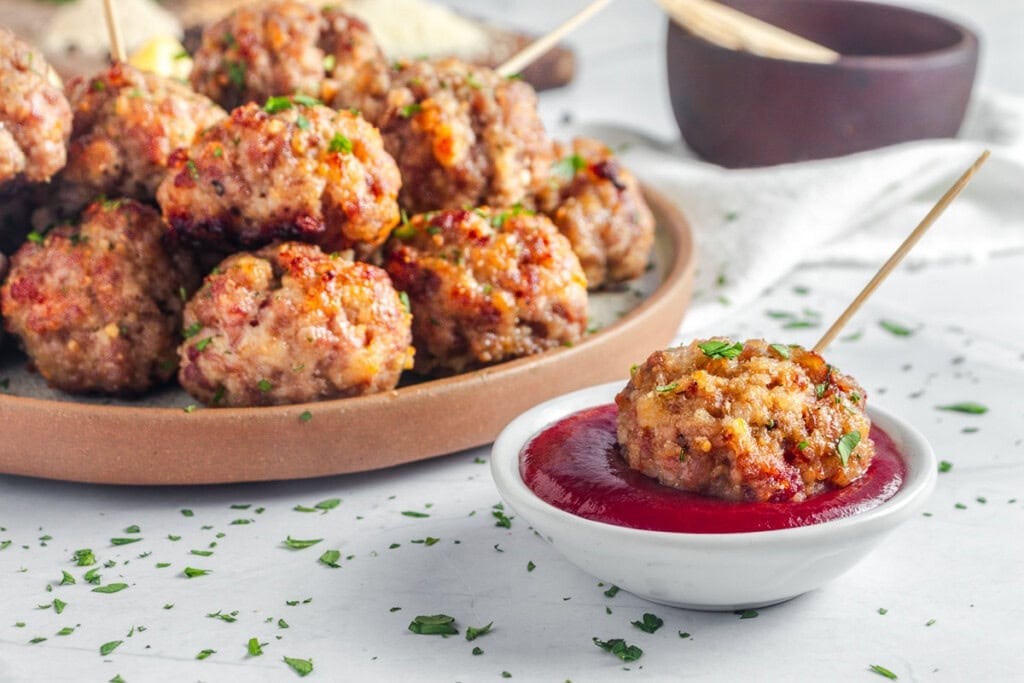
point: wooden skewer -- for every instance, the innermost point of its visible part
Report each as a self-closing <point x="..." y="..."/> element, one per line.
<point x="114" y="29"/>
<point x="524" y="57"/>
<point x="735" y="30"/>
<point x="901" y="251"/>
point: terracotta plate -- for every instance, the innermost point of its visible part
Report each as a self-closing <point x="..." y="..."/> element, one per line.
<point x="45" y="433"/>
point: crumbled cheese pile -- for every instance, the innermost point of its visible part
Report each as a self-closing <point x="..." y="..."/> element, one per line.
<point x="413" y="28"/>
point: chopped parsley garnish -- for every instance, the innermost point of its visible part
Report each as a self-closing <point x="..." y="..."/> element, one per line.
<point x="718" y="348"/>
<point x="746" y="613"/>
<point x="303" y="667"/>
<point x="193" y="170"/>
<point x="330" y="61"/>
<point x="110" y="588"/>
<point x="192" y="572"/>
<point x="330" y="558"/>
<point x="530" y="566"/>
<point x="255" y="647"/>
<point x="203" y="654"/>
<point x="504" y="520"/>
<point x="895" y="328"/>
<point x="410" y="110"/>
<point x="302" y="122"/>
<point x="191" y="331"/>
<point x="35" y="237"/>
<point x="619" y="648"/>
<point x="568" y="166"/>
<point x="264" y="385"/>
<point x="306" y="416"/>
<point x="882" y="671"/>
<point x="203" y="343"/>
<point x="846" y="444"/>
<point x="300" y="544"/>
<point x="434" y="625"/>
<point x="67" y="631"/>
<point x="649" y="623"/>
<point x="305" y="100"/>
<point x="665" y="388"/>
<point x="612" y="591"/>
<point x="340" y="145"/>
<point x="277" y="104"/>
<point x="404" y="298"/>
<point x="59" y="605"/>
<point x="945" y="466"/>
<point x="969" y="407"/>
<point x="782" y="350"/>
<point x="124" y="541"/>
<point x="413" y="513"/>
<point x="474" y="633"/>
<point x="107" y="648"/>
<point x="477" y="651"/>
<point x="66" y="579"/>
<point x="328" y="504"/>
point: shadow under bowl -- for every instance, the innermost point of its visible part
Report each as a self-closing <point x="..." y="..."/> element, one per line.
<point x="903" y="75"/>
<point x="717" y="571"/>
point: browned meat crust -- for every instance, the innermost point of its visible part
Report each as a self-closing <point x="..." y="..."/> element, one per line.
<point x="287" y="170"/>
<point x="289" y="324"/>
<point x="35" y="119"/>
<point x="486" y="286"/>
<point x="598" y="205"/>
<point x="764" y="426"/>
<point x="127" y="123"/>
<point x="98" y="306"/>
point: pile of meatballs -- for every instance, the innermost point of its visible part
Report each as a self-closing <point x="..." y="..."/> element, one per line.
<point x="307" y="221"/>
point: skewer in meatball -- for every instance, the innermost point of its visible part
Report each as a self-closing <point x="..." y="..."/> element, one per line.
<point x="462" y="135"/>
<point x="127" y="122"/>
<point x="598" y="205"/>
<point x="292" y="169"/>
<point x="486" y="285"/>
<point x="35" y="119"/>
<point x="290" y="324"/>
<point x="744" y="421"/>
<point x="98" y="305"/>
<point x="283" y="48"/>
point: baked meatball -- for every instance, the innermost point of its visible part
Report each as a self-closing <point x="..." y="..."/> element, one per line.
<point x="283" y="48"/>
<point x="744" y="421"/>
<point x="291" y="169"/>
<point x="35" y="119"/>
<point x="486" y="286"/>
<point x="290" y="324"/>
<point x="462" y="135"/>
<point x="98" y="305"/>
<point x="598" y="205"/>
<point x="127" y="122"/>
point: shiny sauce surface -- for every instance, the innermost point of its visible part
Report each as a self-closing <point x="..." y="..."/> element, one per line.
<point x="576" y="466"/>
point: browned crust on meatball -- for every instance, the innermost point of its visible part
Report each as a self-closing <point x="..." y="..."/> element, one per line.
<point x="598" y="205"/>
<point x="284" y="48"/>
<point x="487" y="286"/>
<point x="304" y="172"/>
<point x="98" y="305"/>
<point x="127" y="123"/>
<point x="758" y="427"/>
<point x="35" y="119"/>
<point x="290" y="324"/>
<point x="462" y="135"/>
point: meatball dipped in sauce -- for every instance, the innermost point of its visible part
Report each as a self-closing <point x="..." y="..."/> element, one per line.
<point x="35" y="118"/>
<point x="290" y="169"/>
<point x="598" y="205"/>
<point x="747" y="421"/>
<point x="486" y="285"/>
<point x="291" y="324"/>
<point x="98" y="305"/>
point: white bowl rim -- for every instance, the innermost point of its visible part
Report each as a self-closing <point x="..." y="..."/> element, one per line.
<point x="918" y="456"/>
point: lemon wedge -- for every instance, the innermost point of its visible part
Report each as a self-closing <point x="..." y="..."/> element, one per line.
<point x="162" y="55"/>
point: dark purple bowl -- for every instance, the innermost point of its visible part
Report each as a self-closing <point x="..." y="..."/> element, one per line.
<point x="904" y="75"/>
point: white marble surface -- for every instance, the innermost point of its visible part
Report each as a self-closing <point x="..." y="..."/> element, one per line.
<point x="951" y="582"/>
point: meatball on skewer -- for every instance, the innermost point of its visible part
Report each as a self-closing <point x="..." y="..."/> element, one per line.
<point x="486" y="286"/>
<point x="35" y="118"/>
<point x="290" y="324"/>
<point x="98" y="305"/>
<point x="744" y="421"/>
<point x="127" y="123"/>
<point x="598" y="205"/>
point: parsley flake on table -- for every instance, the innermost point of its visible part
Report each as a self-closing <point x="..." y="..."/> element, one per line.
<point x="230" y="618"/>
<point x="107" y="648"/>
<point x="116" y="679"/>
<point x="255" y="647"/>
<point x="36" y="640"/>
<point x="619" y="648"/>
<point x="328" y="504"/>
<point x="969" y="407"/>
<point x="110" y="588"/>
<point x="477" y="651"/>
<point x="719" y="348"/>
<point x="504" y="520"/>
<point x="303" y="667"/>
<point x="66" y="631"/>
<point x="746" y="613"/>
<point x="59" y="605"/>
<point x="187" y="513"/>
<point x="882" y="671"/>
<point x="434" y="625"/>
<point x="124" y="541"/>
<point x="883" y="611"/>
<point x="474" y="633"/>
<point x="945" y="466"/>
<point x="895" y="328"/>
<point x="612" y="591"/>
<point x="330" y="558"/>
<point x="300" y="544"/>
<point x="203" y="654"/>
<point x="530" y="566"/>
<point x="413" y="513"/>
<point x="192" y="572"/>
<point x="649" y="623"/>
<point x="66" y="579"/>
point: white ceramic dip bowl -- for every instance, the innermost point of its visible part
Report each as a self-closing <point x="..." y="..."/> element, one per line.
<point x="718" y="571"/>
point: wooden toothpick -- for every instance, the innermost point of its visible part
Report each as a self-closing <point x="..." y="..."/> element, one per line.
<point x="528" y="54"/>
<point x="901" y="251"/>
<point x="116" y="44"/>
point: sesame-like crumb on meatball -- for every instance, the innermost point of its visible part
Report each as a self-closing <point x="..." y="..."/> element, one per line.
<point x="486" y="285"/>
<point x="744" y="421"/>
<point x="98" y="305"/>
<point x="291" y="169"/>
<point x="598" y="205"/>
<point x="290" y="324"/>
<point x="127" y="122"/>
<point x="283" y="48"/>
<point x="462" y="135"/>
<point x="35" y="118"/>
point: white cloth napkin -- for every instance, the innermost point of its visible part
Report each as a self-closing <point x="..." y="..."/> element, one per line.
<point x="752" y="226"/>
